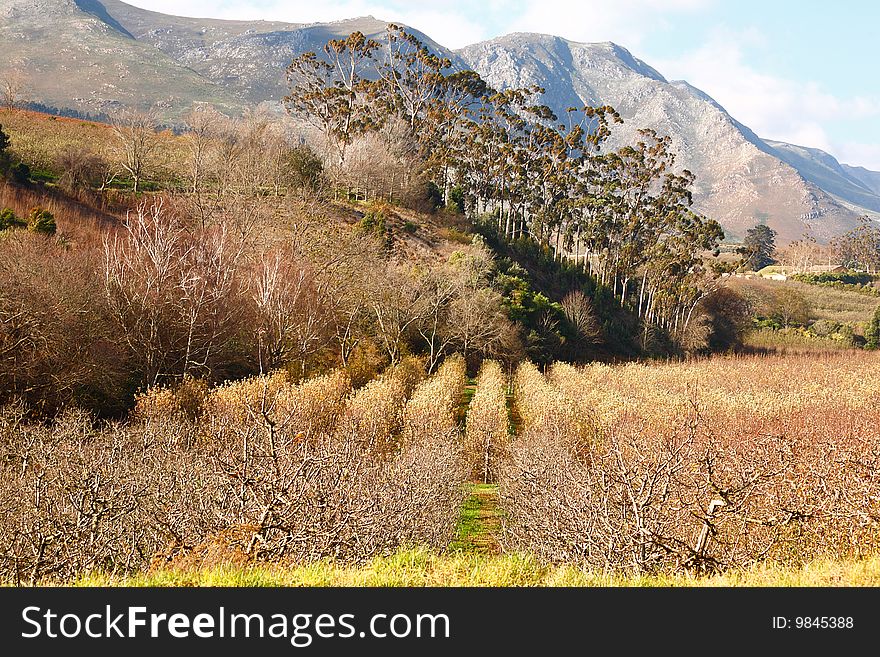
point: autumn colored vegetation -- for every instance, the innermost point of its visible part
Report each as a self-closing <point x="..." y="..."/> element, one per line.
<point x="701" y="466"/>
<point x="259" y="470"/>
<point x="245" y="341"/>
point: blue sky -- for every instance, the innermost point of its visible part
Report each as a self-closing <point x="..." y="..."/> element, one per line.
<point x="803" y="72"/>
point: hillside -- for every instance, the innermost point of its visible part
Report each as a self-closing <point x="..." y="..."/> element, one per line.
<point x="75" y="58"/>
<point x="854" y="185"/>
<point x="740" y="180"/>
<point x="106" y="54"/>
<point x="96" y="56"/>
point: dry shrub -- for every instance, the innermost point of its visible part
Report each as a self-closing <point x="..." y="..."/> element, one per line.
<point x="57" y="343"/>
<point x="349" y="493"/>
<point x="487" y="426"/>
<point x="309" y="409"/>
<point x="225" y="548"/>
<point x="365" y="362"/>
<point x="186" y="400"/>
<point x="435" y="406"/>
<point x="157" y="404"/>
<point x="702" y="466"/>
<point x="410" y="371"/>
<point x="375" y="413"/>
<point x="267" y="470"/>
<point x="78" y="499"/>
<point x="546" y="408"/>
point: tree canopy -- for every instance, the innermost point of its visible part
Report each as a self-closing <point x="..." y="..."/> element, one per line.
<point x="759" y="247"/>
<point x="508" y="162"/>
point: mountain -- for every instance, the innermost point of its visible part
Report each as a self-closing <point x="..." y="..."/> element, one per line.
<point x="247" y="57"/>
<point x="852" y="185"/>
<point x="870" y="179"/>
<point x="94" y="55"/>
<point x="741" y="179"/>
<point x="75" y="54"/>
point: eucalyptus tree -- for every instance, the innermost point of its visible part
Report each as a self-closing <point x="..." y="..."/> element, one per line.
<point x="333" y="91"/>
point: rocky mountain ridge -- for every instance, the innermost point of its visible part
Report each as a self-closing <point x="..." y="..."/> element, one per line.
<point x="95" y="55"/>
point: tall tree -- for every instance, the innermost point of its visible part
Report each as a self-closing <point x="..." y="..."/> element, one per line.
<point x="12" y="87"/>
<point x="758" y="247"/>
<point x="859" y="248"/>
<point x="329" y="90"/>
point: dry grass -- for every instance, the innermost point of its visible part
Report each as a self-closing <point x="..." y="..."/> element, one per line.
<point x="79" y="221"/>
<point x="38" y="139"/>
<point x="424" y="568"/>
<point x="826" y="302"/>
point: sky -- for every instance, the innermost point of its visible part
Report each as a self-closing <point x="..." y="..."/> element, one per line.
<point x="797" y="71"/>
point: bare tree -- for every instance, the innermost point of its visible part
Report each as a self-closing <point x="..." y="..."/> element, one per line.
<point x="13" y="84"/>
<point x="136" y="143"/>
<point x="580" y="314"/>
<point x="294" y="321"/>
<point x="173" y="293"/>
<point x="476" y="321"/>
<point x="202" y="124"/>
<point x="81" y="168"/>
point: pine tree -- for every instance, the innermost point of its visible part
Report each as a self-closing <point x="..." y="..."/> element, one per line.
<point x="758" y="247"/>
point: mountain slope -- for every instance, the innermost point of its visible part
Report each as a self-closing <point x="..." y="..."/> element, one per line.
<point x="248" y="57"/>
<point x="741" y="181"/>
<point x="854" y="185"/>
<point x="870" y="179"/>
<point x="75" y="55"/>
<point x="96" y="55"/>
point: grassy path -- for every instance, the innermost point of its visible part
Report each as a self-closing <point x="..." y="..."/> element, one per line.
<point x="479" y="523"/>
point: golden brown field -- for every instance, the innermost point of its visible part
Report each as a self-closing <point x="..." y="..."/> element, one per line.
<point x="724" y="471"/>
<point x="706" y="465"/>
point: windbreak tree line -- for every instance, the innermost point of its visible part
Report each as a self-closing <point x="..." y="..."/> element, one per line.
<point x="624" y="216"/>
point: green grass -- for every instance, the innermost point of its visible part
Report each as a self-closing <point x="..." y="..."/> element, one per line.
<point x="477" y="520"/>
<point x="420" y="567"/>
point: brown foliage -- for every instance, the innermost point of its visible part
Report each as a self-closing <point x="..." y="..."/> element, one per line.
<point x="56" y="341"/>
<point x="270" y="470"/>
<point x="678" y="477"/>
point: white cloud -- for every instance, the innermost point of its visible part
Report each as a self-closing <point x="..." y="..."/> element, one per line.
<point x="626" y="22"/>
<point x="859" y="154"/>
<point x="774" y="107"/>
<point x="447" y="24"/>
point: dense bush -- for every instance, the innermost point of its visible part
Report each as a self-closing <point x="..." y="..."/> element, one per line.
<point x="8" y="219"/>
<point x="852" y="281"/>
<point x="846" y="278"/>
<point x="872" y="331"/>
<point x="262" y="469"/>
<point x="41" y="221"/>
<point x="487" y="428"/>
<point x="699" y="467"/>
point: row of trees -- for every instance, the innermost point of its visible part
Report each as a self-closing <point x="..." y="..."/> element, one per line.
<point x="167" y="297"/>
<point x="624" y="216"/>
<point x="857" y="249"/>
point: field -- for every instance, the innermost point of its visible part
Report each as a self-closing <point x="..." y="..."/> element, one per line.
<point x="825" y="302"/>
<point x="725" y="471"/>
<point x="41" y="140"/>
